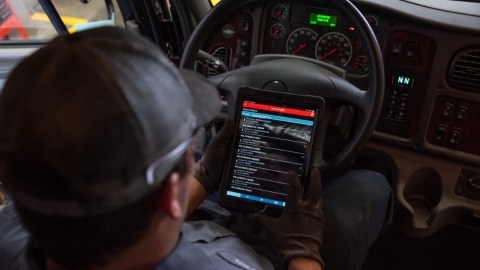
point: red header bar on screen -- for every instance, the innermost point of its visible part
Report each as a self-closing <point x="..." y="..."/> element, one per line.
<point x="278" y="109"/>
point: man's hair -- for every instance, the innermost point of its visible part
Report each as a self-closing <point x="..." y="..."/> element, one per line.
<point x="79" y="243"/>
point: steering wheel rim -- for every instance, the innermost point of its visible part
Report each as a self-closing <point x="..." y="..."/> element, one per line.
<point x="369" y="103"/>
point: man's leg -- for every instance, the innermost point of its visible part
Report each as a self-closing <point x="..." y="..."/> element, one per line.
<point x="358" y="208"/>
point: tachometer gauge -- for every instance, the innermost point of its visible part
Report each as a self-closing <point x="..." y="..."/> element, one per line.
<point x="277" y="31"/>
<point x="360" y="64"/>
<point x="279" y="12"/>
<point x="302" y="42"/>
<point x="334" y="48"/>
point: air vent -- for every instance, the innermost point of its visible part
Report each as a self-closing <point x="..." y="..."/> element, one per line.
<point x="222" y="54"/>
<point x="465" y="70"/>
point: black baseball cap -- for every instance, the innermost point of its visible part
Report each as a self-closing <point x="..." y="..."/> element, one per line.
<point x="85" y="116"/>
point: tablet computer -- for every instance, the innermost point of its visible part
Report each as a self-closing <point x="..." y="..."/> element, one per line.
<point x="274" y="134"/>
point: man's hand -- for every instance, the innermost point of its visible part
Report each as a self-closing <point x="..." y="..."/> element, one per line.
<point x="298" y="232"/>
<point x="209" y="169"/>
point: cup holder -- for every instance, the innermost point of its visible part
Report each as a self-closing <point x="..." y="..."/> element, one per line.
<point x="423" y="192"/>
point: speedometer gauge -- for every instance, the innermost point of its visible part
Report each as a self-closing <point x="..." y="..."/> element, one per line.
<point x="334" y="48"/>
<point x="302" y="42"/>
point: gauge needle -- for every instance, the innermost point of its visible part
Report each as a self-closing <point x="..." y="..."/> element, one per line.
<point x="275" y="33"/>
<point x="326" y="55"/>
<point x="299" y="48"/>
<point x="276" y="14"/>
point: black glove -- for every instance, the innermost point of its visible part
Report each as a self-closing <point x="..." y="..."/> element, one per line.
<point x="298" y="232"/>
<point x="209" y="169"/>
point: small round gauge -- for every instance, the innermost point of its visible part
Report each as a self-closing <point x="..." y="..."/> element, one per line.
<point x="359" y="44"/>
<point x="277" y="31"/>
<point x="334" y="48"/>
<point x="279" y="12"/>
<point x="360" y="64"/>
<point x="302" y="42"/>
<point x="373" y="22"/>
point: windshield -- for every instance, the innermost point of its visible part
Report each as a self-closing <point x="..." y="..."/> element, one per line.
<point x="22" y="20"/>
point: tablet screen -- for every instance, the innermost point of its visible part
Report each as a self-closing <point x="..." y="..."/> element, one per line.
<point x="271" y="141"/>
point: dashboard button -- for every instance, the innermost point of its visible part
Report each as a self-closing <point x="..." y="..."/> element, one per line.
<point x="392" y="102"/>
<point x="410" y="49"/>
<point x="405" y="94"/>
<point x="462" y="113"/>
<point x="454" y="138"/>
<point x="401" y="114"/>
<point x="241" y="65"/>
<point x="403" y="104"/>
<point x="390" y="113"/>
<point x="447" y="110"/>
<point x="245" y="25"/>
<point x="397" y="47"/>
<point x="394" y="92"/>
<point x="440" y="133"/>
<point x="243" y="45"/>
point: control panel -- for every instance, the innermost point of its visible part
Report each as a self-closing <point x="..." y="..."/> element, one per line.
<point x="403" y="85"/>
<point x="468" y="185"/>
<point x="455" y="124"/>
<point x="408" y="62"/>
<point x="233" y="43"/>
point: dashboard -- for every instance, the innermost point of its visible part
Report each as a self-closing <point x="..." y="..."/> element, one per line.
<point x="318" y="33"/>
<point x="428" y="132"/>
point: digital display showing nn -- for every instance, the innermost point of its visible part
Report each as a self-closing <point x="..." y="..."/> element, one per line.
<point x="323" y="19"/>
<point x="402" y="80"/>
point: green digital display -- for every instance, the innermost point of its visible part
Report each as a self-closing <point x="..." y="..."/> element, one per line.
<point x="403" y="80"/>
<point x="323" y="20"/>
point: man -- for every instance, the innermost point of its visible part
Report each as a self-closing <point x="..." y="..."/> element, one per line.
<point x="96" y="150"/>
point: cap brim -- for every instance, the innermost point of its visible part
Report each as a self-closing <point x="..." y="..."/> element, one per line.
<point x="206" y="99"/>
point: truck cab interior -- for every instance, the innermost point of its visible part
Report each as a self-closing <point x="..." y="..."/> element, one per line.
<point x="401" y="80"/>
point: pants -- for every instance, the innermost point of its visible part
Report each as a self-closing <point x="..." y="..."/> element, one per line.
<point x="357" y="206"/>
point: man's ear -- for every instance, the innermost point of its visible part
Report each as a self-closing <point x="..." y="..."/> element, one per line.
<point x="169" y="199"/>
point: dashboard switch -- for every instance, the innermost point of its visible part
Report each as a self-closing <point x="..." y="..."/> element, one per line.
<point x="401" y="115"/>
<point x="440" y="133"/>
<point x="454" y="138"/>
<point x="392" y="102"/>
<point x="394" y="92"/>
<point x="462" y="113"/>
<point x="403" y="104"/>
<point x="410" y="49"/>
<point x="243" y="45"/>
<point x="468" y="186"/>
<point x="405" y="94"/>
<point x="447" y="110"/>
<point x="389" y="112"/>
<point x="245" y="25"/>
<point x="397" y="47"/>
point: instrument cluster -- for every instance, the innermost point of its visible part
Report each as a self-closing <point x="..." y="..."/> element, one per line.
<point x="319" y="33"/>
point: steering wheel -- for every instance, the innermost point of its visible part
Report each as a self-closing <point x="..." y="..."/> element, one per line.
<point x="303" y="76"/>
